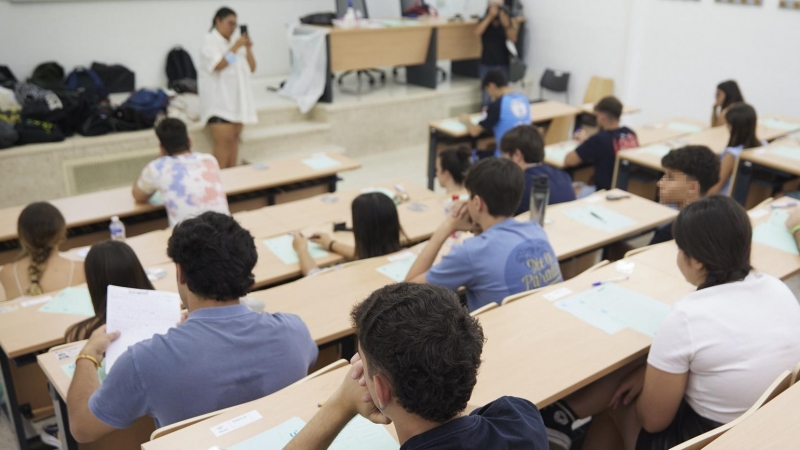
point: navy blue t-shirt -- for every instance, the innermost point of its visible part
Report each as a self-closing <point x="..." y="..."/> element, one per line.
<point x="560" y="186"/>
<point x="506" y="423"/>
<point x="601" y="151"/>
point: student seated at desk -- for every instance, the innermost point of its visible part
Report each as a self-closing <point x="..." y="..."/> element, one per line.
<point x="728" y="94"/>
<point x="689" y="172"/>
<point x="712" y="357"/>
<point x="506" y="257"/>
<point x="451" y="169"/>
<point x="376" y="231"/>
<point x="109" y="263"/>
<point x="525" y="147"/>
<point x="742" y="123"/>
<point x="507" y="110"/>
<point x="189" y="182"/>
<point x="222" y="355"/>
<point x="39" y="268"/>
<point x="401" y="376"/>
<point x="600" y="150"/>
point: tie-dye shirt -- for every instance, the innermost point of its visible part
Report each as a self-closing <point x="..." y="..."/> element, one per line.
<point x="190" y="185"/>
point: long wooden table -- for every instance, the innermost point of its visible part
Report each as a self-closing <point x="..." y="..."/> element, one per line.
<point x="778" y="162"/>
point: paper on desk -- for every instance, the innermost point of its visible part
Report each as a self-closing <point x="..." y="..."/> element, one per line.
<point x="779" y="124"/>
<point x="455" y="126"/>
<point x="775" y="234"/>
<point x="398" y="270"/>
<point x="686" y="127"/>
<point x="786" y="152"/>
<point x="273" y="439"/>
<point x="321" y="162"/>
<point x="558" y="152"/>
<point x="281" y="246"/>
<point x="613" y="308"/>
<point x="71" y="300"/>
<point x="69" y="369"/>
<point x="138" y="315"/>
<point x="156" y="199"/>
<point x="658" y="150"/>
<point x="599" y="217"/>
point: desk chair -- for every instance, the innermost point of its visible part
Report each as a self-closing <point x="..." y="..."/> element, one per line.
<point x="484" y="308"/>
<point x="361" y="7"/>
<point x="555" y="81"/>
<point x="329" y="368"/>
<point x="796" y="374"/>
<point x="778" y="386"/>
<point x="598" y="88"/>
<point x="515" y="297"/>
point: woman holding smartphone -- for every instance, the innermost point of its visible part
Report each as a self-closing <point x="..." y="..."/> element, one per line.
<point x="226" y="94"/>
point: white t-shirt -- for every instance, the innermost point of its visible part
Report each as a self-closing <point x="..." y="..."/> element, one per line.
<point x="733" y="339"/>
<point x="228" y="93"/>
<point x="190" y="185"/>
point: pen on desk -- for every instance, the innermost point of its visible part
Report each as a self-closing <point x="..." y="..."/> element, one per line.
<point x="783" y="205"/>
<point x="597" y="216"/>
<point x="612" y="280"/>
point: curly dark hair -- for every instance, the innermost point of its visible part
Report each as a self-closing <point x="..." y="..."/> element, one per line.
<point x="696" y="161"/>
<point x="425" y="343"/>
<point x="216" y="255"/>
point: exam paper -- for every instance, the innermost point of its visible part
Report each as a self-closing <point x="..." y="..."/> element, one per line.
<point x="398" y="270"/>
<point x="775" y="234"/>
<point x="321" y="161"/>
<point x="786" y="152"/>
<point x="558" y="152"/>
<point x="599" y="217"/>
<point x="138" y="315"/>
<point x="76" y="301"/>
<point x="281" y="247"/>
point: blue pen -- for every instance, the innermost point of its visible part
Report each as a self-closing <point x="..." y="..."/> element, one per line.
<point x="612" y="280"/>
<point x="783" y="205"/>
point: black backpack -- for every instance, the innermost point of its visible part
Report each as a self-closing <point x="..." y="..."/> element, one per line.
<point x="34" y="132"/>
<point x="117" y="78"/>
<point x="87" y="79"/>
<point x="7" y="78"/>
<point x="8" y="134"/>
<point x="180" y="67"/>
<point x="49" y="75"/>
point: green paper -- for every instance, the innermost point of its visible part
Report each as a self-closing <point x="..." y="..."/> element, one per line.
<point x="282" y="248"/>
<point x="780" y="124"/>
<point x="69" y="369"/>
<point x="775" y="234"/>
<point x="785" y="152"/>
<point x="613" y="308"/>
<point x="559" y="152"/>
<point x="397" y="270"/>
<point x="685" y="127"/>
<point x="71" y="300"/>
<point x="599" y="217"/>
<point x="156" y="199"/>
<point x="321" y="162"/>
<point x="658" y="150"/>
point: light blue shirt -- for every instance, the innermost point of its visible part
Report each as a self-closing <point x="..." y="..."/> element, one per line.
<point x="220" y="357"/>
<point x="508" y="258"/>
<point x="735" y="152"/>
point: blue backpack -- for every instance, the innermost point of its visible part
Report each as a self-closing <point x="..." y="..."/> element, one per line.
<point x="149" y="102"/>
<point x="87" y="79"/>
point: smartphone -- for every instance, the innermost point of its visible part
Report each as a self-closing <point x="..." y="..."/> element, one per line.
<point x="243" y="29"/>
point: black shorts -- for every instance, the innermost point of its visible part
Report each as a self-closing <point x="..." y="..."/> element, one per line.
<point x="686" y="425"/>
<point x="216" y="119"/>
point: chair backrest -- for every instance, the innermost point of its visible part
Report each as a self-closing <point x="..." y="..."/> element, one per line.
<point x="556" y="81"/>
<point x="778" y="386"/>
<point x="358" y="5"/>
<point x="484" y="308"/>
<point x="597" y="89"/>
<point x="169" y="429"/>
<point x="515" y="297"/>
<point x="636" y="251"/>
<point x="329" y="368"/>
<point x="602" y="263"/>
<point x="796" y="373"/>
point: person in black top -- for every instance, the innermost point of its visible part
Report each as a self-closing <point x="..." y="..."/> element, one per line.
<point x="689" y="172"/>
<point x="601" y="149"/>
<point x="420" y="351"/>
<point x="494" y="29"/>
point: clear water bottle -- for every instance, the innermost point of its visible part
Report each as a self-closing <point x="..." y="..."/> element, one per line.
<point x="117" y="229"/>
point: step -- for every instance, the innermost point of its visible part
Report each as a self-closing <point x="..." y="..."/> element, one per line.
<point x="284" y="141"/>
<point x="324" y="148"/>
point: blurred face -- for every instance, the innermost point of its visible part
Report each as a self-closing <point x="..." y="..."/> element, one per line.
<point x="603" y="120"/>
<point x="677" y="188"/>
<point x="692" y="270"/>
<point x="226" y="26"/>
<point x="720" y="97"/>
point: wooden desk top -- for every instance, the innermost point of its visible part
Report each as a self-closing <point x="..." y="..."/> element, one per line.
<point x="775" y="426"/>
<point x="101" y="206"/>
<point x="540" y="112"/>
<point x="535" y="332"/>
<point x="52" y="363"/>
<point x="765" y="157"/>
<point x="662" y="131"/>
<point x="588" y="108"/>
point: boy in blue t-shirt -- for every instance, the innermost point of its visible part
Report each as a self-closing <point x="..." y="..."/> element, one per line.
<point x="525" y="147"/>
<point x="505" y="257"/>
<point x="508" y="109"/>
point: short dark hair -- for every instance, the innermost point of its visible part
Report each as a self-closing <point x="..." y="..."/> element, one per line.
<point x="425" y="343"/>
<point x="221" y="14"/>
<point x="696" y="161"/>
<point x="495" y="76"/>
<point x="376" y="225"/>
<point x="527" y="140"/>
<point x="499" y="182"/>
<point x="172" y="134"/>
<point x="216" y="255"/>
<point x="743" y="120"/>
<point x="716" y="231"/>
<point x="732" y="93"/>
<point x="456" y="163"/>
<point x="609" y="105"/>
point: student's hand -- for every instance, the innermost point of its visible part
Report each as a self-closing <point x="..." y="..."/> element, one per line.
<point x="322" y="239"/>
<point x="494" y="10"/>
<point x="299" y="243"/>
<point x="630" y="388"/>
<point x="98" y="343"/>
<point x="357" y="373"/>
<point x="248" y="42"/>
<point x="459" y="219"/>
<point x="794" y="219"/>
<point x="241" y="42"/>
<point x="351" y="394"/>
<point x="464" y="118"/>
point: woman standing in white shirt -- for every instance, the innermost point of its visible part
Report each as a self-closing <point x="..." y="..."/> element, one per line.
<point x="712" y="357"/>
<point x="226" y="93"/>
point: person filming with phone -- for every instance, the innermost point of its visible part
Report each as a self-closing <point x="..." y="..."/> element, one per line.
<point x="495" y="28"/>
<point x="224" y="84"/>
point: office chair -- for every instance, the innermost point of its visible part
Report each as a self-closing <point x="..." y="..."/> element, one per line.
<point x="361" y="7"/>
<point x="555" y="81"/>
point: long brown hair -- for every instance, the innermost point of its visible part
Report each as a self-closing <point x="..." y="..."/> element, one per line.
<point x="109" y="263"/>
<point x="744" y="122"/>
<point x="376" y="225"/>
<point x="41" y="228"/>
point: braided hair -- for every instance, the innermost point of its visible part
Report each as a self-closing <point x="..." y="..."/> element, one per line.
<point x="41" y="228"/>
<point x="716" y="232"/>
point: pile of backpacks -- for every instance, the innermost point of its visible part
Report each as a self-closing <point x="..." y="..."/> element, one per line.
<point x="49" y="106"/>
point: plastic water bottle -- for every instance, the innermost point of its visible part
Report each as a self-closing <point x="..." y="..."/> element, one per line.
<point x="117" y="229"/>
<point x="350" y="18"/>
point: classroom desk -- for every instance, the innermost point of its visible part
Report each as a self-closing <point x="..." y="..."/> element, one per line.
<point x="774" y="426"/>
<point x="89" y="213"/>
<point x="777" y="161"/>
<point x="668" y="129"/>
<point x="541" y="113"/>
<point x="588" y="108"/>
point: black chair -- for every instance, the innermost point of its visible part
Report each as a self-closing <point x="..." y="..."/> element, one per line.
<point x="359" y="6"/>
<point x="554" y="81"/>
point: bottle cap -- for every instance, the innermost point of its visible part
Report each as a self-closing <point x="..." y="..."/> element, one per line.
<point x="115" y="218"/>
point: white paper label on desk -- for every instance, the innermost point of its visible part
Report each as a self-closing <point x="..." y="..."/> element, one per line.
<point x="400" y="256"/>
<point x="557" y="294"/>
<point x="68" y="352"/>
<point x="321" y="162"/>
<point x="594" y="199"/>
<point x="235" y="423"/>
<point x="36" y="301"/>
<point x="757" y="213"/>
<point x="7" y="309"/>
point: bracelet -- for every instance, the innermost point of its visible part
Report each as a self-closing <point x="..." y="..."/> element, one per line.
<point x="90" y="358"/>
<point x="330" y="246"/>
<point x="795" y="229"/>
<point x="231" y="58"/>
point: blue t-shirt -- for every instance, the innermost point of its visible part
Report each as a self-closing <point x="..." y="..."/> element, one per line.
<point x="508" y="258"/>
<point x="506" y="423"/>
<point x="509" y="111"/>
<point x="560" y="186"/>
<point x="220" y="357"/>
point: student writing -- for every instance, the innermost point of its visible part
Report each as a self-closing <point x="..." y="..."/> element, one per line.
<point x="742" y="124"/>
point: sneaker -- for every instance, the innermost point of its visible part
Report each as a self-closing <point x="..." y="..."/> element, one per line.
<point x="49" y="436"/>
<point x="558" y="419"/>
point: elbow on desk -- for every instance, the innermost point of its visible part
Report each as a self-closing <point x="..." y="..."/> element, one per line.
<point x="81" y="435"/>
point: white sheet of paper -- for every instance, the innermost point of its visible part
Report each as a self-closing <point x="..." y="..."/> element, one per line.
<point x="138" y="315"/>
<point x="321" y="162"/>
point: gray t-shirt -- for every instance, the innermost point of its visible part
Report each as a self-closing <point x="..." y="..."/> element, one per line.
<point x="220" y="357"/>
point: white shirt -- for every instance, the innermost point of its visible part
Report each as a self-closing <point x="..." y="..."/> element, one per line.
<point x="733" y="339"/>
<point x="227" y="93"/>
<point x="190" y="185"/>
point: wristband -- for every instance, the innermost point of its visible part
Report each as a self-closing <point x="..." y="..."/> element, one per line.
<point x="330" y="246"/>
<point x="231" y="58"/>
<point x="90" y="358"/>
<point x="795" y="229"/>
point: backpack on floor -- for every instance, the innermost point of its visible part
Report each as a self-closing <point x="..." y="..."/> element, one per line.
<point x="98" y="123"/>
<point x="34" y="132"/>
<point x="87" y="79"/>
<point x="49" y="75"/>
<point x="117" y="78"/>
<point x="180" y="69"/>
<point x="149" y="102"/>
<point x="7" y="78"/>
<point x="36" y="101"/>
<point x="8" y="135"/>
